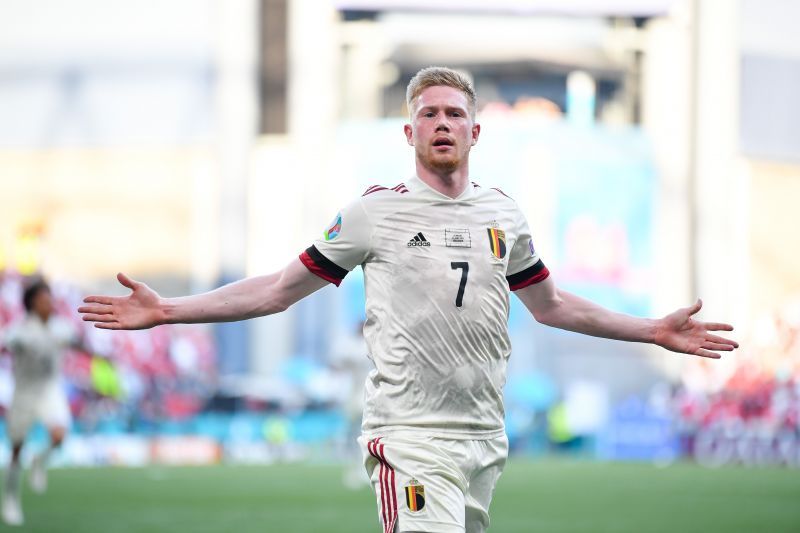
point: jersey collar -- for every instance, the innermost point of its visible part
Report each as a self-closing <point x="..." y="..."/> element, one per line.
<point x="417" y="185"/>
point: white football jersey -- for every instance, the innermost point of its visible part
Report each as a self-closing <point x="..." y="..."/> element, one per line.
<point x="37" y="348"/>
<point x="437" y="274"/>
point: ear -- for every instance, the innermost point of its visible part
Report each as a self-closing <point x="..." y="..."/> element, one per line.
<point x="409" y="131"/>
<point x="476" y="131"/>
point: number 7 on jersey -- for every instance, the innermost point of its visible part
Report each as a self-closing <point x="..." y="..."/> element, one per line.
<point x="455" y="265"/>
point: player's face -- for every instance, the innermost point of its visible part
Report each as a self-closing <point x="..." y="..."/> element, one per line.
<point x="43" y="304"/>
<point x="442" y="130"/>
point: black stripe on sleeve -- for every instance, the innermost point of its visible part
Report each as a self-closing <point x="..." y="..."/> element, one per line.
<point x="326" y="264"/>
<point x="533" y="274"/>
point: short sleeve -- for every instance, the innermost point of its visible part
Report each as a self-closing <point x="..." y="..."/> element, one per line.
<point x="525" y="267"/>
<point x="343" y="246"/>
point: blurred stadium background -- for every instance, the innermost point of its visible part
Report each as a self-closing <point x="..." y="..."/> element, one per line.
<point x="653" y="144"/>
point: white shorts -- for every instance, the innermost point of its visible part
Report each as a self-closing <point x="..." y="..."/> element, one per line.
<point x="434" y="485"/>
<point x="47" y="405"/>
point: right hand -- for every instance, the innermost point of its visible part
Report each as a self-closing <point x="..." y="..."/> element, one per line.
<point x="141" y="309"/>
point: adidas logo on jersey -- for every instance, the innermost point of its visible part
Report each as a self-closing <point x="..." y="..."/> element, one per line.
<point x="418" y="240"/>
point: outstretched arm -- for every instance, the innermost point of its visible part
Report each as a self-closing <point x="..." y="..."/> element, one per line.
<point x="677" y="332"/>
<point x="243" y="299"/>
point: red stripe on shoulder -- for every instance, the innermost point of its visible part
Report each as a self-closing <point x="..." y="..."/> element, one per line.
<point x="401" y="188"/>
<point x="374" y="188"/>
<point x="501" y="192"/>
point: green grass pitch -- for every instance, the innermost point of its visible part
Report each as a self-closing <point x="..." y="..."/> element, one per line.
<point x="548" y="496"/>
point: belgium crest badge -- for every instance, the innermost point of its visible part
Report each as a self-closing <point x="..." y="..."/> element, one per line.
<point x="497" y="242"/>
<point x="415" y="495"/>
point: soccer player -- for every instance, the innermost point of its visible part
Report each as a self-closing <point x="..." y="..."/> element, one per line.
<point x="440" y="255"/>
<point x="37" y="345"/>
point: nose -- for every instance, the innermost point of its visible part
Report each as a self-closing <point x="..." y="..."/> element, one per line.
<point x="442" y="121"/>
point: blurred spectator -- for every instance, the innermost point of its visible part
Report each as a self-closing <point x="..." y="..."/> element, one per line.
<point x="164" y="373"/>
<point x="748" y="413"/>
<point x="537" y="107"/>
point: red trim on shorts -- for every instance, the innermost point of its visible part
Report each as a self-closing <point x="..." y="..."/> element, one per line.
<point x="391" y="481"/>
<point x="370" y="445"/>
<point x="386" y="477"/>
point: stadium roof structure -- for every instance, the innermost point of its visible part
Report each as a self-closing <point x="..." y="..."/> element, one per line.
<point x="622" y="8"/>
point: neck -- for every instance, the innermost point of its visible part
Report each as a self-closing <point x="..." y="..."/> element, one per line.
<point x="451" y="184"/>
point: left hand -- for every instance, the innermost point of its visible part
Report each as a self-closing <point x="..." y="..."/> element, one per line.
<point x="679" y="332"/>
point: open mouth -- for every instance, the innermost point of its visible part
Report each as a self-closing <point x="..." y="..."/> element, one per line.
<point x="442" y="142"/>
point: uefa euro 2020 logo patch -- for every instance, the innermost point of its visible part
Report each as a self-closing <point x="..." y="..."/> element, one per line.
<point x="336" y="226"/>
<point x="415" y="496"/>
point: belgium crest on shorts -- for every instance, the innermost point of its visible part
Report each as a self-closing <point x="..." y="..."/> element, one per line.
<point x="497" y="242"/>
<point x="415" y="496"/>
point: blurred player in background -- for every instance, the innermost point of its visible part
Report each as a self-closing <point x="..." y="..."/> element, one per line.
<point x="440" y="255"/>
<point x="349" y="357"/>
<point x="37" y="344"/>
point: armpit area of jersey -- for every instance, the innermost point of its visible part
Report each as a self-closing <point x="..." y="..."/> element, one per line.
<point x="533" y="274"/>
<point x="321" y="266"/>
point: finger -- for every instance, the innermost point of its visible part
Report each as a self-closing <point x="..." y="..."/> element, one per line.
<point x="99" y="318"/>
<point x="717" y="326"/>
<point x="107" y="300"/>
<point x="125" y="280"/>
<point x="717" y="346"/>
<point x="108" y="325"/>
<point x="696" y="307"/>
<point x="722" y="340"/>
<point x="708" y="354"/>
<point x="96" y="309"/>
